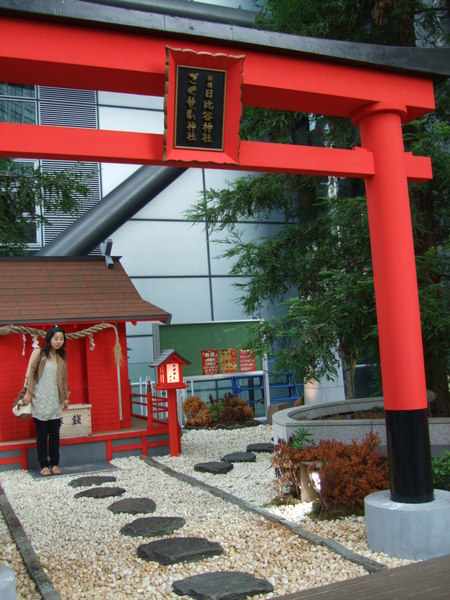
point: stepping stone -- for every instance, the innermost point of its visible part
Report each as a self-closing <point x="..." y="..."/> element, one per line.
<point x="133" y="506"/>
<point x="174" y="550"/>
<point x="261" y="447"/>
<point x="101" y="492"/>
<point x="215" y="467"/>
<point x="152" y="526"/>
<point x="239" y="457"/>
<point x="91" y="480"/>
<point x="220" y="585"/>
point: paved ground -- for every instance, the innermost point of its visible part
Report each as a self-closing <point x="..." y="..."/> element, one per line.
<point x="427" y="580"/>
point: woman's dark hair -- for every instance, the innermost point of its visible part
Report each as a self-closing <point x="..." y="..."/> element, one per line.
<point x="48" y="338"/>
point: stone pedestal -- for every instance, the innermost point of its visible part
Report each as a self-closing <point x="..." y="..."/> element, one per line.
<point x="7" y="584"/>
<point x="414" y="531"/>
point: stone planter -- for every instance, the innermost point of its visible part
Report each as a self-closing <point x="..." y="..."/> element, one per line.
<point x="287" y="422"/>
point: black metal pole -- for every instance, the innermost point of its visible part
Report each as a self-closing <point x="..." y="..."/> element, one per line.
<point x="408" y="443"/>
<point x="105" y="217"/>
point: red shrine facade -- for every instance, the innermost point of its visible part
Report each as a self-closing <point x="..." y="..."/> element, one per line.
<point x="92" y="303"/>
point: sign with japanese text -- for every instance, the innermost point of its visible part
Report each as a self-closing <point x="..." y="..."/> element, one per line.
<point x="210" y="362"/>
<point x="76" y="421"/>
<point x="247" y="361"/>
<point x="199" y="109"/>
<point x="202" y="107"/>
<point x="228" y="360"/>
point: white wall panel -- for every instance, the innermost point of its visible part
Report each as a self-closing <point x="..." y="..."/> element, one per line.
<point x="253" y="231"/>
<point x="113" y="174"/>
<point x="141" y="328"/>
<point x="130" y="100"/>
<point x="243" y="4"/>
<point x="218" y="178"/>
<point x="154" y="248"/>
<point x="129" y="119"/>
<point x="225" y="299"/>
<point x="186" y="299"/>
<point x="172" y="202"/>
<point x="140" y="350"/>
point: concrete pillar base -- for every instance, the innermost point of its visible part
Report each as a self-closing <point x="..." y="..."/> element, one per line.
<point x="414" y="531"/>
<point x="7" y="583"/>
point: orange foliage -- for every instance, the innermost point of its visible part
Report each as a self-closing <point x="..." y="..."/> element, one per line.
<point x="348" y="473"/>
<point x="234" y="410"/>
<point x="196" y="412"/>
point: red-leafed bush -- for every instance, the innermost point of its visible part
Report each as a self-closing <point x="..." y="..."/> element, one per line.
<point x="196" y="412"/>
<point x="348" y="472"/>
<point x="234" y="410"/>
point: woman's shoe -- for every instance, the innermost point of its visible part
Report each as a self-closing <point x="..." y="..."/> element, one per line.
<point x="56" y="470"/>
<point x="45" y="472"/>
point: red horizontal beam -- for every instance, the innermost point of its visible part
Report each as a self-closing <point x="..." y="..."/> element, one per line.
<point x="10" y="460"/>
<point x="66" y="143"/>
<point x="65" y="55"/>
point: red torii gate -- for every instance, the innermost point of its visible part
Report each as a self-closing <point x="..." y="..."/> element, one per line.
<point x="69" y="55"/>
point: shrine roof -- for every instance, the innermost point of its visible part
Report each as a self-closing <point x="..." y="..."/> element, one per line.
<point x="70" y="290"/>
<point x="165" y="355"/>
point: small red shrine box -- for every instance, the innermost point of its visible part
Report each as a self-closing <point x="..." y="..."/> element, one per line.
<point x="170" y="378"/>
<point x="170" y="370"/>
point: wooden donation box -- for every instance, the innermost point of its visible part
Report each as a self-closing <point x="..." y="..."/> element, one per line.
<point x="76" y="421"/>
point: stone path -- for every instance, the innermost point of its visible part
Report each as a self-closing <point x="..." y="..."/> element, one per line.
<point x="216" y="585"/>
<point x="170" y="550"/>
<point x="226" y="462"/>
<point x="173" y="550"/>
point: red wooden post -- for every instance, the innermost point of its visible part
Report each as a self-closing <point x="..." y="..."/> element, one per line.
<point x="174" y="428"/>
<point x="397" y="301"/>
<point x="149" y="406"/>
<point x="393" y="260"/>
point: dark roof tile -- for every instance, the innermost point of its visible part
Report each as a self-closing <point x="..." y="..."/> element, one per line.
<point x="44" y="290"/>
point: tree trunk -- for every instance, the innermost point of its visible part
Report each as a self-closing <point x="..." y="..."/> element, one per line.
<point x="348" y="369"/>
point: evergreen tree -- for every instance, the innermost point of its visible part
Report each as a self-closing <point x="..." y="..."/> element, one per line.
<point x="27" y="195"/>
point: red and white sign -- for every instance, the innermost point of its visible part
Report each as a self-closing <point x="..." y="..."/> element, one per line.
<point x="210" y="362"/>
<point x="247" y="360"/>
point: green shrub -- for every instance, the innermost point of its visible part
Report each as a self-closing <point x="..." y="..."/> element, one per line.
<point x="215" y="408"/>
<point x="441" y="471"/>
<point x="301" y="438"/>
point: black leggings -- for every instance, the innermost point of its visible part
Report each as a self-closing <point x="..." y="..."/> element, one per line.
<point x="47" y="430"/>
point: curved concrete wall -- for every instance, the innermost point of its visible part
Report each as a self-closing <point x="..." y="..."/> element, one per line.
<point x="286" y="422"/>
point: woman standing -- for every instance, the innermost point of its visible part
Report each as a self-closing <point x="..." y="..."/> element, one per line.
<point x="48" y="391"/>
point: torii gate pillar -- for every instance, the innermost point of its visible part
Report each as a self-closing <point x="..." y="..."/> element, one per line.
<point x="396" y="294"/>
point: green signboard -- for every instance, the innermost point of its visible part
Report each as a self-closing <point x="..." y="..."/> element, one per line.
<point x="192" y="341"/>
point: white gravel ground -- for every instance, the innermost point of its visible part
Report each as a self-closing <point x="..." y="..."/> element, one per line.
<point x="79" y="545"/>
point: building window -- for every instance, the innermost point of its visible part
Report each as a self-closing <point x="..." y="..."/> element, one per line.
<point x="15" y="111"/>
<point x="14" y="106"/>
<point x="17" y="91"/>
